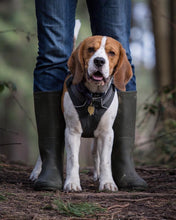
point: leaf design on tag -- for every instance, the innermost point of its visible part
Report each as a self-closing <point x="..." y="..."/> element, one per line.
<point x="91" y="110"/>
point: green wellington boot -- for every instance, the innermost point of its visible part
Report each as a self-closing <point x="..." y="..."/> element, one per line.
<point x="50" y="126"/>
<point x="123" y="169"/>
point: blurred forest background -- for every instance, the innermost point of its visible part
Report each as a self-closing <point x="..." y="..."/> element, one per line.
<point x="153" y="47"/>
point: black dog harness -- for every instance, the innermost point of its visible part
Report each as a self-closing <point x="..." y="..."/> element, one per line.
<point x="90" y="106"/>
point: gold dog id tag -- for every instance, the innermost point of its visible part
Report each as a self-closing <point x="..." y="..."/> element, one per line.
<point x="91" y="109"/>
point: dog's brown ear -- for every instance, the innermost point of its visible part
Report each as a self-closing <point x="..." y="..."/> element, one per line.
<point x="76" y="64"/>
<point x="123" y="71"/>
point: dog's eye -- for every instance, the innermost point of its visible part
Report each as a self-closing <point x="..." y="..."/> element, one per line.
<point x="111" y="53"/>
<point x="91" y="49"/>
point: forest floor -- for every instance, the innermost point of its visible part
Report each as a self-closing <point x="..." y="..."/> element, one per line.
<point x="19" y="201"/>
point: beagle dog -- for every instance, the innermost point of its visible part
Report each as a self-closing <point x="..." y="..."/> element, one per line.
<point x="98" y="67"/>
<point x="90" y="103"/>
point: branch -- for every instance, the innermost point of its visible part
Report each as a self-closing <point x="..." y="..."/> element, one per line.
<point x="10" y="144"/>
<point x="155" y="4"/>
<point x="156" y="138"/>
<point x="12" y="88"/>
<point x="9" y="131"/>
<point x="28" y="34"/>
<point x="23" y="109"/>
<point x="147" y="113"/>
<point x="6" y="31"/>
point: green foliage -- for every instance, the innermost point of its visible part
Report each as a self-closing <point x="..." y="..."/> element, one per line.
<point x="164" y="151"/>
<point x="162" y="112"/>
<point x="160" y="104"/>
<point x="18" y="52"/>
<point x="163" y="96"/>
<point x="2" y="198"/>
<point x="81" y="209"/>
<point x="10" y="85"/>
<point x="1" y="86"/>
<point x="151" y="108"/>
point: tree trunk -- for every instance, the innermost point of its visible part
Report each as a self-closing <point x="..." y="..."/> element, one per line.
<point x="173" y="46"/>
<point x="164" y="28"/>
<point x="161" y="29"/>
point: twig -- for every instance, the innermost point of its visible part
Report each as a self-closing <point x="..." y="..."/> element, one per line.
<point x="147" y="112"/>
<point x="78" y="218"/>
<point x="157" y="94"/>
<point x="103" y="214"/>
<point x="121" y="195"/>
<point x="9" y="131"/>
<point x="155" y="4"/>
<point x="142" y="199"/>
<point x="9" y="144"/>
<point x="23" y="109"/>
<point x="147" y="99"/>
<point x="115" y="213"/>
<point x="17" y="30"/>
<point x="132" y="200"/>
<point x="155" y="138"/>
<point x="12" y="89"/>
<point x="118" y="206"/>
<point x="6" y="31"/>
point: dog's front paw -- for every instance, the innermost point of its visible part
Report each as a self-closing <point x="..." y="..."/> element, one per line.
<point x="72" y="187"/>
<point x="110" y="186"/>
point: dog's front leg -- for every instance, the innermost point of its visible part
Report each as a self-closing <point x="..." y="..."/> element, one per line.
<point x="72" y="144"/>
<point x="96" y="160"/>
<point x="105" y="142"/>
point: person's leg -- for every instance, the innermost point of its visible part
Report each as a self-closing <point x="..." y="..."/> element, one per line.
<point x="55" y="22"/>
<point x="55" y="25"/>
<point x="112" y="18"/>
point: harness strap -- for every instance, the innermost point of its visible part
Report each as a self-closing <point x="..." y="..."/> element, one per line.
<point x="82" y="99"/>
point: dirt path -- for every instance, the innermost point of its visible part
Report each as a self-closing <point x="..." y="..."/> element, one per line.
<point x="19" y="201"/>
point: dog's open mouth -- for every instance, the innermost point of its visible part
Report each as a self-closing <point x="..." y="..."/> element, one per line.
<point x="97" y="76"/>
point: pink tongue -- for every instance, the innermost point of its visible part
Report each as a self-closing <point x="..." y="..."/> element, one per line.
<point x="98" y="78"/>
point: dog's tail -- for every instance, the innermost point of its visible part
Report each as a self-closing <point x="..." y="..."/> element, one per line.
<point x="76" y="31"/>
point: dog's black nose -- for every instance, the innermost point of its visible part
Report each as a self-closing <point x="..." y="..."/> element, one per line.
<point x="99" y="61"/>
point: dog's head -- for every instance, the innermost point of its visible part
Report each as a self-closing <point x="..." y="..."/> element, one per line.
<point x="96" y="60"/>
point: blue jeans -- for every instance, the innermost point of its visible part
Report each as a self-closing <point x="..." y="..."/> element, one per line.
<point x="55" y="22"/>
